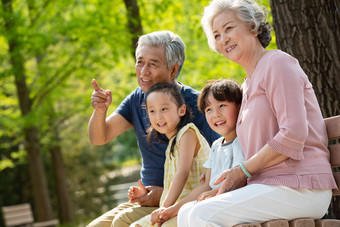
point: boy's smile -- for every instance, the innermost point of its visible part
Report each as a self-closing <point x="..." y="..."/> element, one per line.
<point x="222" y="116"/>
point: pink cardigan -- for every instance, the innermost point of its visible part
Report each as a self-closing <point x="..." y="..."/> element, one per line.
<point x="279" y="108"/>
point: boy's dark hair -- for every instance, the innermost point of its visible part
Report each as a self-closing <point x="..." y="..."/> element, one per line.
<point x="222" y="89"/>
<point x="173" y="90"/>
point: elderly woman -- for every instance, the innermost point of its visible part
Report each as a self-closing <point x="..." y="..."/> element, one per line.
<point x="280" y="128"/>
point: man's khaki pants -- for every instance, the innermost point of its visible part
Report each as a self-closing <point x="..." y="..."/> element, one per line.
<point x="125" y="214"/>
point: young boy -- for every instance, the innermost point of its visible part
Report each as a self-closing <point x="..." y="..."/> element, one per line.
<point x="220" y="102"/>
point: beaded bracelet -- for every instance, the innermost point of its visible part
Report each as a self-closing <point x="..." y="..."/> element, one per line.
<point x="245" y="170"/>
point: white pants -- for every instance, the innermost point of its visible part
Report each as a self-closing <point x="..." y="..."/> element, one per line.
<point x="255" y="203"/>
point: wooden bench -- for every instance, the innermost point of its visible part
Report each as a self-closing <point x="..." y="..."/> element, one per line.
<point x="333" y="131"/>
<point x="21" y="215"/>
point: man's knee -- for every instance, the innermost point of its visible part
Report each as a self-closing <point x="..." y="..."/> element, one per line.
<point x="121" y="220"/>
<point x="105" y="220"/>
<point x="130" y="215"/>
<point x="100" y="223"/>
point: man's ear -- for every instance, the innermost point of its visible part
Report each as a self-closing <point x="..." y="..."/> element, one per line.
<point x="182" y="110"/>
<point x="174" y="70"/>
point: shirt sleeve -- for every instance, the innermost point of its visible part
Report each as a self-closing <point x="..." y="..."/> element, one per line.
<point x="237" y="153"/>
<point x="284" y="86"/>
<point x="209" y="163"/>
<point x="124" y="108"/>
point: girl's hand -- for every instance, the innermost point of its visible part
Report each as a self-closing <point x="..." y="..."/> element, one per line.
<point x="168" y="213"/>
<point x="155" y="216"/>
<point x="232" y="179"/>
<point x="208" y="194"/>
<point x="137" y="192"/>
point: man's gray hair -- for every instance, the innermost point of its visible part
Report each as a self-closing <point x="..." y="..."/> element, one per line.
<point x="173" y="44"/>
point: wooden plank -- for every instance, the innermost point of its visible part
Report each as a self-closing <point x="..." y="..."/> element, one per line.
<point x="302" y="222"/>
<point x="15" y="208"/>
<point x="53" y="222"/>
<point x="276" y="223"/>
<point x="334" y="150"/>
<point x="327" y="223"/>
<point x="337" y="180"/>
<point x="17" y="214"/>
<point x="248" y="225"/>
<point x="333" y="127"/>
<point x="18" y="220"/>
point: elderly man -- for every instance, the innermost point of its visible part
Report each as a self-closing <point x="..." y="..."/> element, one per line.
<point x="159" y="59"/>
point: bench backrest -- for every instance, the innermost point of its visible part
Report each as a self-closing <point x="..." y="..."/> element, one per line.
<point x="17" y="215"/>
<point x="333" y="131"/>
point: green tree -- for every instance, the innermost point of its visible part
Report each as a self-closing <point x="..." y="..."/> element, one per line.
<point x="37" y="172"/>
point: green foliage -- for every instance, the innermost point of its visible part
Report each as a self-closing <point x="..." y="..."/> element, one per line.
<point x="65" y="44"/>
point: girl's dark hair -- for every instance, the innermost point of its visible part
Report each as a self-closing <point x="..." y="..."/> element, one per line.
<point x="173" y="90"/>
<point x="222" y="89"/>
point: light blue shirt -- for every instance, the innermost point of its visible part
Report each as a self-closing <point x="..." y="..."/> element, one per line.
<point x="223" y="156"/>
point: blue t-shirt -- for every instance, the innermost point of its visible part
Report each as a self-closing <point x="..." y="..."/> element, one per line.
<point x="153" y="156"/>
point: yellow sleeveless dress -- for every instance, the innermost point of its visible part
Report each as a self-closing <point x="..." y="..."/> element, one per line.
<point x="170" y="168"/>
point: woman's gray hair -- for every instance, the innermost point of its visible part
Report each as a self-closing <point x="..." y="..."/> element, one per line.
<point x="248" y="11"/>
<point x="173" y="44"/>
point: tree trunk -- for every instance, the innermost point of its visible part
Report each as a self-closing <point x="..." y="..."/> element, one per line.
<point x="65" y="210"/>
<point x="309" y="30"/>
<point x="36" y="169"/>
<point x="134" y="23"/>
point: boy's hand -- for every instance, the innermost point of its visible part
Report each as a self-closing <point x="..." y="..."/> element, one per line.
<point x="136" y="192"/>
<point x="100" y="99"/>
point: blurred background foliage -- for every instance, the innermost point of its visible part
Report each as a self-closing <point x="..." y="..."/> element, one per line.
<point x="64" y="44"/>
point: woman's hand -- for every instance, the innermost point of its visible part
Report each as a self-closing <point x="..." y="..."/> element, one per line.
<point x="208" y="194"/>
<point x="232" y="179"/>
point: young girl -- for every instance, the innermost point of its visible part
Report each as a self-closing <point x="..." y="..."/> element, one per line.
<point x="185" y="155"/>
<point x="220" y="101"/>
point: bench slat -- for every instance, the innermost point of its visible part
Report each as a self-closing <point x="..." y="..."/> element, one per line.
<point x="327" y="223"/>
<point x="16" y="208"/>
<point x="53" y="222"/>
<point x="276" y="223"/>
<point x="334" y="150"/>
<point x="18" y="215"/>
<point x="337" y="180"/>
<point x="302" y="222"/>
<point x="19" y="221"/>
<point x="248" y="225"/>
<point x="333" y="127"/>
